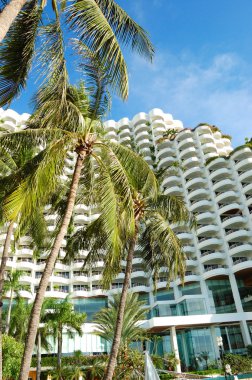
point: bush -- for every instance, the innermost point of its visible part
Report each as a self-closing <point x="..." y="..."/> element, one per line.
<point x="166" y="376"/>
<point x="158" y="361"/>
<point x="12" y="354"/>
<point x="238" y="363"/>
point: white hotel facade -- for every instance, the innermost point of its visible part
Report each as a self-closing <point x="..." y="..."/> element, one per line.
<point x="216" y="300"/>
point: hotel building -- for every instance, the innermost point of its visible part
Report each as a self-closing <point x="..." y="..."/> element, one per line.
<point x="216" y="299"/>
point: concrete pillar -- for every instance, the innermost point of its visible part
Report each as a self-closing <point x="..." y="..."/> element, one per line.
<point x="245" y="333"/>
<point x="236" y="293"/>
<point x="216" y="347"/>
<point x="174" y="344"/>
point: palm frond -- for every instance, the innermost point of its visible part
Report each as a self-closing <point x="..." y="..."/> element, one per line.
<point x="16" y="52"/>
<point x="97" y="80"/>
<point x="35" y="188"/>
<point x="162" y="248"/>
<point x="126" y="30"/>
<point x="172" y="208"/>
<point x="87" y="19"/>
<point x="141" y="176"/>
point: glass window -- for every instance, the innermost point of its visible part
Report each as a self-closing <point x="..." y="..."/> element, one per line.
<point x="190" y="289"/>
<point x="221" y="296"/>
<point x="164" y="295"/>
<point x="90" y="306"/>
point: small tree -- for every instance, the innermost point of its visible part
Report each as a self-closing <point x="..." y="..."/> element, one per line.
<point x="61" y="315"/>
<point x="12" y="354"/>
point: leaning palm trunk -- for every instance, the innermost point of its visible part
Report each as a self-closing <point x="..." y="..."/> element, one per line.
<point x="38" y="369"/>
<point x="8" y="15"/>
<point x="119" y="323"/>
<point x="50" y="263"/>
<point x="6" y="249"/>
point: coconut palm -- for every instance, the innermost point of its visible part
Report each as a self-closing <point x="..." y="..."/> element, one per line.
<point x="131" y="331"/>
<point x="20" y="313"/>
<point x="112" y="163"/>
<point x="61" y="315"/>
<point x="102" y="25"/>
<point x="13" y="286"/>
<point x="161" y="248"/>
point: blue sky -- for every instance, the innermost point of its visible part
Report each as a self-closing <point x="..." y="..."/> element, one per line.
<point x="202" y="71"/>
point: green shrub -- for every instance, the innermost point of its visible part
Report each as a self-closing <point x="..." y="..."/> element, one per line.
<point x="158" y="361"/>
<point x="166" y="376"/>
<point x="12" y="354"/>
<point x="238" y="363"/>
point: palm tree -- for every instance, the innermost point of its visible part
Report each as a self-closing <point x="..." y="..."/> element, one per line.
<point x="112" y="163"/>
<point x="131" y="331"/>
<point x="13" y="286"/>
<point x="61" y="315"/>
<point x="153" y="217"/>
<point x="101" y="25"/>
<point x="20" y="313"/>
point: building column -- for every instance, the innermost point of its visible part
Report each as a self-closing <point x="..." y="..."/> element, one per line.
<point x="174" y="344"/>
<point x="236" y="293"/>
<point x="245" y="333"/>
<point x="214" y="338"/>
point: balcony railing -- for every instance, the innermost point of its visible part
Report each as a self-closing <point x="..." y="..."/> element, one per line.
<point x="215" y="266"/>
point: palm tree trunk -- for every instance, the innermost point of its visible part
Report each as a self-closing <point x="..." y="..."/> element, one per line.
<point x="119" y="323"/>
<point x="50" y="262"/>
<point x="38" y="369"/>
<point x="5" y="255"/>
<point x="59" y="347"/>
<point x="8" y="15"/>
<point x="7" y="328"/>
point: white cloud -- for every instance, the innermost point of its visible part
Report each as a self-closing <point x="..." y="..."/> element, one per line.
<point x="217" y="91"/>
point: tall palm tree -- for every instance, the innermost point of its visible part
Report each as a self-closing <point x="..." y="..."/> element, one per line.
<point x="20" y="313"/>
<point x="131" y="331"/>
<point x="13" y="286"/>
<point x="162" y="248"/>
<point x="95" y="156"/>
<point x="8" y="15"/>
<point x="61" y="315"/>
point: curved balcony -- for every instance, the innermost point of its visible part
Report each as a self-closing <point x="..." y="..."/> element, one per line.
<point x="201" y="205"/>
<point x="191" y="263"/>
<point x="203" y="129"/>
<point x="56" y="294"/>
<point x="171" y="181"/>
<point x="206" y="138"/>
<point x="211" y="256"/>
<point x="196" y="183"/>
<point x="190" y="276"/>
<point x="141" y="128"/>
<point x="220" y="173"/>
<point x="26" y="265"/>
<point x="209" y="155"/>
<point x="215" y="270"/>
<point x="206" y="217"/>
<point x="234" y="206"/>
<point x="246" y="176"/>
<point x="195" y="193"/>
<point x="110" y="125"/>
<point x="138" y="274"/>
<point x="24" y="252"/>
<point x="240" y="154"/>
<point x="191" y="162"/>
<point x="140" y="288"/>
<point x="165" y="162"/>
<point x="158" y="114"/>
<point x="25" y="294"/>
<point x="185" y="236"/>
<point x="241" y="265"/>
<point x="165" y="152"/>
<point x="187" y="142"/>
<point x="184" y="134"/>
<point x="111" y="135"/>
<point x="207" y="230"/>
<point x="228" y="196"/>
<point x="140" y="118"/>
<point x="193" y="173"/>
<point x="247" y="188"/>
<point x="81" y="208"/>
<point x="187" y="153"/>
<point x="173" y="190"/>
<point x="224" y="184"/>
<point x="209" y="147"/>
<point x="218" y="163"/>
<point x="240" y="248"/>
<point x="245" y="164"/>
<point x="141" y="135"/>
<point x="209" y="243"/>
<point x="233" y="221"/>
<point x="125" y="133"/>
<point x="249" y="200"/>
<point x="188" y="249"/>
<point x="123" y="123"/>
<point x="238" y="234"/>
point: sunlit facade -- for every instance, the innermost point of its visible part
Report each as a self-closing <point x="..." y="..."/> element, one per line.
<point x="216" y="300"/>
